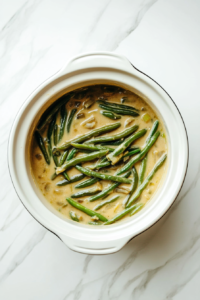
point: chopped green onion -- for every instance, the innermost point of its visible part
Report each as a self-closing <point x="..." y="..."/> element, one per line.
<point x="146" y="118"/>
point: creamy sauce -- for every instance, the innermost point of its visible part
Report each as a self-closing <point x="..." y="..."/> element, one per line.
<point x="56" y="195"/>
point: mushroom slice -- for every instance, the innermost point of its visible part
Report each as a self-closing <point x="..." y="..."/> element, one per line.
<point x="88" y="103"/>
<point x="95" y="218"/>
<point x="122" y="191"/>
<point x="128" y="122"/>
<point x="90" y="119"/>
<point x="90" y="125"/>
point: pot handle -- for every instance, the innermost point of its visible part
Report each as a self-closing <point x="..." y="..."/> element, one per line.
<point x="96" y="60"/>
<point x="94" y="247"/>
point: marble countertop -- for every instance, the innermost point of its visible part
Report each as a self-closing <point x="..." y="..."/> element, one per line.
<point x="159" y="37"/>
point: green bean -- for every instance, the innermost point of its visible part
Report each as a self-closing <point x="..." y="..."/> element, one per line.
<point x="91" y="147"/>
<point x="86" y="210"/>
<point x="117" y="111"/>
<point x="132" y="148"/>
<point x="73" y="216"/>
<point x="42" y="147"/>
<point x="108" y="190"/>
<point x="104" y="159"/>
<point x="87" y="182"/>
<point x="133" y="187"/>
<point x="121" y="148"/>
<point x="94" y="223"/>
<point x="142" y="170"/>
<point x="63" y="158"/>
<point x="71" y="154"/>
<point x="115" y="143"/>
<point x="119" y="136"/>
<point x="117" y="154"/>
<point x="102" y="176"/>
<point x="50" y="132"/>
<point x="74" y="178"/>
<point x="100" y="205"/>
<point x="57" y="153"/>
<point x="101" y="165"/>
<point x="69" y="157"/>
<point x="84" y="151"/>
<point x="75" y="161"/>
<point x="55" y="134"/>
<point x="66" y="176"/>
<point x="153" y="130"/>
<point x="87" y="136"/>
<point x="84" y="193"/>
<point x="127" y="154"/>
<point x="130" y="153"/>
<point x="110" y="115"/>
<point x="53" y="176"/>
<point x="63" y="119"/>
<point x="55" y="158"/>
<point x="121" y="214"/>
<point x="71" y="116"/>
<point x="136" y="209"/>
<point x="141" y="187"/>
<point x="134" y="160"/>
<point x="118" y="106"/>
<point x="50" y="112"/>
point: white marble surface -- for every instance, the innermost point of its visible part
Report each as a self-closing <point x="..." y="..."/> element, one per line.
<point x="162" y="39"/>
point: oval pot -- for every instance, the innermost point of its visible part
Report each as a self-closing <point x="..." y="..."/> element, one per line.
<point x="83" y="70"/>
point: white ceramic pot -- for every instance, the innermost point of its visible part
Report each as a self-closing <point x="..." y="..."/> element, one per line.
<point x="83" y="70"/>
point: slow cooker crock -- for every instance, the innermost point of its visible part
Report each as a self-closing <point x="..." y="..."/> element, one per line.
<point x="88" y="69"/>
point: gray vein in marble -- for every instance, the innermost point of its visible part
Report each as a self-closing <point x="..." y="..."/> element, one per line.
<point x="177" y="288"/>
<point x="13" y="18"/>
<point x="109" y="44"/>
<point x="10" y="220"/>
<point x="191" y="187"/>
<point x="145" y="6"/>
<point x="9" y="188"/>
<point x="100" y="14"/>
<point x="149" y="274"/>
<point x="104" y="288"/>
<point x="108" y="284"/>
<point x="181" y="198"/>
<point x="81" y="287"/>
<point x="124" y="267"/>
<point x="16" y="236"/>
<point x="18" y="22"/>
<point x="144" y="277"/>
<point x="87" y="261"/>
<point x="78" y="289"/>
<point x="20" y="257"/>
<point x="109" y="279"/>
<point x="3" y="198"/>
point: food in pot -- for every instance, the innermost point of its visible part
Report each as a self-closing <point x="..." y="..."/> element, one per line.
<point x="98" y="154"/>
